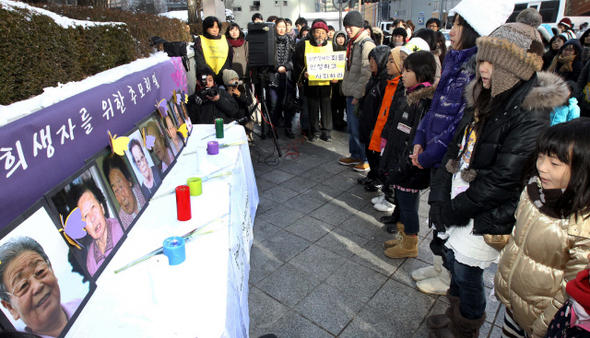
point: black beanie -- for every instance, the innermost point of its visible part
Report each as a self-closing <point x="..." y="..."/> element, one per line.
<point x="400" y="31"/>
<point x="353" y="18"/>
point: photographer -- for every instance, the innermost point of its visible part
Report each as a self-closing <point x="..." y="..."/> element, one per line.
<point x="239" y="92"/>
<point x="210" y="102"/>
<point x="243" y="97"/>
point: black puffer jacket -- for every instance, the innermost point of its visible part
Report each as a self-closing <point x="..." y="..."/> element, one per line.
<point x="396" y="166"/>
<point x="206" y="112"/>
<point x="499" y="154"/>
<point x="370" y="104"/>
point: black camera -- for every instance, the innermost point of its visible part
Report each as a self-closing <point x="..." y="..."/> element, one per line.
<point x="211" y="92"/>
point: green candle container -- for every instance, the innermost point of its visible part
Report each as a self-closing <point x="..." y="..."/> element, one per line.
<point x="219" y="128"/>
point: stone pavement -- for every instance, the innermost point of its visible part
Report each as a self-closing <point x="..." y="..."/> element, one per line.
<point x="317" y="263"/>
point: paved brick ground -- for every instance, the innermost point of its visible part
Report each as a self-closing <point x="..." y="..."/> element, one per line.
<point x="317" y="263"/>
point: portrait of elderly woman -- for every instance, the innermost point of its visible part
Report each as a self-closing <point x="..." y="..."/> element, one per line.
<point x="126" y="190"/>
<point x="172" y="131"/>
<point x="29" y="288"/>
<point x="161" y="148"/>
<point x="151" y="174"/>
<point x="104" y="231"/>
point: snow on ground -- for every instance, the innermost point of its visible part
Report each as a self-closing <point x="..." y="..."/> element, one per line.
<point x="60" y="20"/>
<point x="180" y="15"/>
<point x="53" y="95"/>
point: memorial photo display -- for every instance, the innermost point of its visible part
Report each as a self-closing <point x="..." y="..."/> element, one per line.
<point x="123" y="187"/>
<point x="92" y="227"/>
<point x="147" y="170"/>
<point x="157" y="143"/>
<point x="43" y="288"/>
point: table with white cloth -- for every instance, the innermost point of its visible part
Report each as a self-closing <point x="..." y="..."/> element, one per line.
<point x="207" y="294"/>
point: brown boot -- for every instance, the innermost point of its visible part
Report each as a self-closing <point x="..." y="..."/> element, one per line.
<point x="407" y="248"/>
<point x="398" y="237"/>
<point x="440" y="321"/>
<point x="459" y="327"/>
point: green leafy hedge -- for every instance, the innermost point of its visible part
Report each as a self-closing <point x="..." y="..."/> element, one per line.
<point x="37" y="52"/>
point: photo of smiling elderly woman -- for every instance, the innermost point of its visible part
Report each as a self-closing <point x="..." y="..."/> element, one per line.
<point x="146" y="171"/>
<point x="39" y="292"/>
<point x="104" y="231"/>
<point x="124" y="186"/>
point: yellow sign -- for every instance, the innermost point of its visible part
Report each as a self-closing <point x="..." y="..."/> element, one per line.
<point x="326" y="66"/>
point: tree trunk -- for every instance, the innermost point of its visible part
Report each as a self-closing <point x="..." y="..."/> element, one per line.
<point x="194" y="7"/>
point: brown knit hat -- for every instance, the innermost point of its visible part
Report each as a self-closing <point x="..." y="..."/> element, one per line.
<point x="515" y="49"/>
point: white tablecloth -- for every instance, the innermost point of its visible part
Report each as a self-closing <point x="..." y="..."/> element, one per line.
<point x="205" y="296"/>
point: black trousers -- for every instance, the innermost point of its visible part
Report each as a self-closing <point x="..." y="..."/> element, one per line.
<point x="374" y="158"/>
<point x="315" y="104"/>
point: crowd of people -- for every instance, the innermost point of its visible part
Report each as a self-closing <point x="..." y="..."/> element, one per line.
<point x="491" y="125"/>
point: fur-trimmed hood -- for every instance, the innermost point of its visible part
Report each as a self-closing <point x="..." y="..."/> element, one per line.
<point x="549" y="92"/>
<point x="422" y="93"/>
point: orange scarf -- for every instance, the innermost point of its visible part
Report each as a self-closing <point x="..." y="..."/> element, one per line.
<point x="375" y="144"/>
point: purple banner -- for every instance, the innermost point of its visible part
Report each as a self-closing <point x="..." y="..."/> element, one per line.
<point x="39" y="151"/>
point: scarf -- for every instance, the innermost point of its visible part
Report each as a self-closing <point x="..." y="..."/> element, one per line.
<point x="566" y="62"/>
<point x="543" y="199"/>
<point x="211" y="37"/>
<point x="349" y="49"/>
<point x="236" y="42"/>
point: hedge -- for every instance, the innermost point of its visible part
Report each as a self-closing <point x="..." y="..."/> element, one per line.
<point x="38" y="53"/>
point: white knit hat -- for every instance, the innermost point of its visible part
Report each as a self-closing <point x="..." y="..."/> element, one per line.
<point x="484" y="15"/>
<point x="414" y="45"/>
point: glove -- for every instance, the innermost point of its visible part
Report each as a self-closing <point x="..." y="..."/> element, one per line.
<point x="198" y="100"/>
<point x="435" y="218"/>
<point x="451" y="217"/>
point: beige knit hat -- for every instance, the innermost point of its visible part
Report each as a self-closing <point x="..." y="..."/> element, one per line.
<point x="515" y="49"/>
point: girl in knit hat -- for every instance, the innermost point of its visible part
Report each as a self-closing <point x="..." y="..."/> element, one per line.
<point x="551" y="239"/>
<point x="476" y="191"/>
<point x="567" y="61"/>
<point x="472" y="18"/>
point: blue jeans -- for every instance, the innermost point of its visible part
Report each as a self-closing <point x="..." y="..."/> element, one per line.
<point x="467" y="284"/>
<point x="408" y="203"/>
<point x="357" y="149"/>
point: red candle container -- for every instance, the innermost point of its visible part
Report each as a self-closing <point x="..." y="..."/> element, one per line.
<point x="183" y="203"/>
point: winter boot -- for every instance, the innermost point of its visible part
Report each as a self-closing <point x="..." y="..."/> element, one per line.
<point x="440" y="321"/>
<point x="437" y="285"/>
<point x="398" y="237"/>
<point x="407" y="248"/>
<point x="459" y="326"/>
<point x="429" y="271"/>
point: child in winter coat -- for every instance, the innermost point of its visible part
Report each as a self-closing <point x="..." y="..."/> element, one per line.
<point x="475" y="193"/>
<point x="406" y="180"/>
<point x="573" y="319"/>
<point x="394" y="70"/>
<point x="550" y="242"/>
<point x="368" y="107"/>
<point x="568" y="111"/>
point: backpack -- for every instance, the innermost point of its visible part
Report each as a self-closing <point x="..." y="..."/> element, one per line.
<point x="176" y="48"/>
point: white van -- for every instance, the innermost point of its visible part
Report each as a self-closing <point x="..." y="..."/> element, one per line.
<point x="553" y="11"/>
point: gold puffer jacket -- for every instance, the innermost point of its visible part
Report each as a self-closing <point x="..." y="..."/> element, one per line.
<point x="542" y="255"/>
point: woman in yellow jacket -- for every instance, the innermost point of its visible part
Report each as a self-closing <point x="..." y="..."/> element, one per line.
<point x="550" y="242"/>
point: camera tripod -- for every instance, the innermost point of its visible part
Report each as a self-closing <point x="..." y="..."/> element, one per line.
<point x="265" y="123"/>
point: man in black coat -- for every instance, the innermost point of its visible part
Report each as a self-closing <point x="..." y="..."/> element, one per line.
<point x="210" y="102"/>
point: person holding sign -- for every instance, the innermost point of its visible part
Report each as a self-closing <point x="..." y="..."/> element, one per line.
<point x="318" y="92"/>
